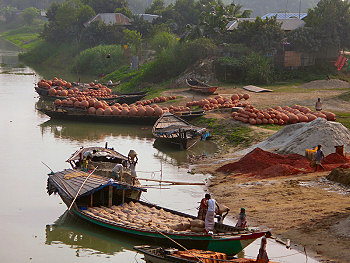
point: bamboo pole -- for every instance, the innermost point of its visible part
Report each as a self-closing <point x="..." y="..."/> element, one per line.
<point x="170" y="182"/>
<point x="81" y="188"/>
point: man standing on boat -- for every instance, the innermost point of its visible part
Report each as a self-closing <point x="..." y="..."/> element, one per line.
<point x="210" y="216"/>
<point x="203" y="207"/>
<point x="132" y="161"/>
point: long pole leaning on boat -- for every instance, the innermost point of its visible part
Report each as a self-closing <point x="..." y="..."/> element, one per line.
<point x="81" y="188"/>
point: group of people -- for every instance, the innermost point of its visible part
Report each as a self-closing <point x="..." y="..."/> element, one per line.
<point x="130" y="164"/>
<point x="209" y="209"/>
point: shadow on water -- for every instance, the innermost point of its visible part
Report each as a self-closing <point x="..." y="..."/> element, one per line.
<point x="79" y="234"/>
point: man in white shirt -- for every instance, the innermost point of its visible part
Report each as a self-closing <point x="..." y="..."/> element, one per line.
<point x="210" y="216"/>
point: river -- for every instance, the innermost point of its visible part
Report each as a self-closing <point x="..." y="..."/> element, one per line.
<point x="34" y="226"/>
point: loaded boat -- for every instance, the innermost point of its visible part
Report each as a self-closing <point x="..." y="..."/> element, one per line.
<point x="201" y="87"/>
<point x="116" y="206"/>
<point x="156" y="254"/>
<point x="171" y="129"/>
<point x="121" y="98"/>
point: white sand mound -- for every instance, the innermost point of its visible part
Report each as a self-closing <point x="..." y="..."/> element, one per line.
<point x="296" y="138"/>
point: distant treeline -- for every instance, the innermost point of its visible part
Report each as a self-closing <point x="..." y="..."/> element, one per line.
<point x="259" y="7"/>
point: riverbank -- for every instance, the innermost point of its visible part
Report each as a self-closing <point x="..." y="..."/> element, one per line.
<point x="307" y="209"/>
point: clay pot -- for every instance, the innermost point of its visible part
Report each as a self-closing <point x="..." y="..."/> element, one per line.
<point x="92" y="111"/>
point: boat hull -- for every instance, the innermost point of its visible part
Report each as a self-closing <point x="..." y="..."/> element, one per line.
<point x="182" y="144"/>
<point x="230" y="246"/>
<point x="65" y="115"/>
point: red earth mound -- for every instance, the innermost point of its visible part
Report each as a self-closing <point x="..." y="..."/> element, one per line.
<point x="265" y="164"/>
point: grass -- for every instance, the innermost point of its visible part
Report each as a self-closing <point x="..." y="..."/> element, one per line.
<point x="227" y="133"/>
<point x="343" y="118"/>
<point x="26" y="37"/>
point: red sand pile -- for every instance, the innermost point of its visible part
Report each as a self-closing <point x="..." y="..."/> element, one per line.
<point x="265" y="164"/>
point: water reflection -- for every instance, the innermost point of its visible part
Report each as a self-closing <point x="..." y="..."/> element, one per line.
<point x="84" y="132"/>
<point x="81" y="235"/>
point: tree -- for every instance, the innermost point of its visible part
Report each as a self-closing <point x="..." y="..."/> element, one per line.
<point x="106" y="6"/>
<point x="66" y="20"/>
<point x="133" y="39"/>
<point x="29" y="14"/>
<point x="261" y="35"/>
<point x="125" y="11"/>
<point x="330" y="23"/>
<point x="156" y="8"/>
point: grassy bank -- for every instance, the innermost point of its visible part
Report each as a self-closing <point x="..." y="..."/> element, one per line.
<point x="26" y="37"/>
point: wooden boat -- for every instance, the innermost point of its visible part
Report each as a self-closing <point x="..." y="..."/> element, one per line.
<point x="104" y="159"/>
<point x="172" y="129"/>
<point x="121" y="98"/>
<point x="201" y="87"/>
<point x="73" y="114"/>
<point x="116" y="206"/>
<point x="156" y="254"/>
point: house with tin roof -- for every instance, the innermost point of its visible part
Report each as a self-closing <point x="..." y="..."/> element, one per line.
<point x="110" y="19"/>
<point x="287" y="24"/>
<point x="285" y="15"/>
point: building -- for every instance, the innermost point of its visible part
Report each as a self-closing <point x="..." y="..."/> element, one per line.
<point x="287" y="24"/>
<point x="110" y="19"/>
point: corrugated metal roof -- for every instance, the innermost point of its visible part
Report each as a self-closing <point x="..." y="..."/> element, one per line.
<point x="285" y="15"/>
<point x="68" y="182"/>
<point x="287" y="24"/>
<point x="148" y="17"/>
<point x="111" y="19"/>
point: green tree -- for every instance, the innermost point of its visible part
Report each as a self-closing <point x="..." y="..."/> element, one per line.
<point x="29" y="14"/>
<point x="66" y="21"/>
<point x="156" y="8"/>
<point x="125" y="11"/>
<point x="261" y="35"/>
<point x="105" y="6"/>
<point x="330" y="22"/>
<point x="133" y="39"/>
<point x="162" y="40"/>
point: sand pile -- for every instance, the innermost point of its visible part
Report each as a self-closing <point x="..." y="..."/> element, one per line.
<point x="340" y="175"/>
<point x="326" y="84"/>
<point x="296" y="138"/>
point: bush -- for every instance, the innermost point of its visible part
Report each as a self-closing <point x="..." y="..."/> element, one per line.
<point x="162" y="40"/>
<point x="258" y="68"/>
<point x="94" y="61"/>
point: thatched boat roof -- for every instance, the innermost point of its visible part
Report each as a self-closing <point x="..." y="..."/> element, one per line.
<point x="68" y="182"/>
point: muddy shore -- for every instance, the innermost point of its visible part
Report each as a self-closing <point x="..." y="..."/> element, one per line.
<point x="311" y="211"/>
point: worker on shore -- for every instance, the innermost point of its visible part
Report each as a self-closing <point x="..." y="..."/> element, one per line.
<point x="210" y="215"/>
<point x="318" y="105"/>
<point x="242" y="219"/>
<point x="262" y="256"/>
<point x="203" y="207"/>
<point x="319" y="157"/>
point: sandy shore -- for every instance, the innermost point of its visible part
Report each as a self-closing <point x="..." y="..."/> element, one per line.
<point x="307" y="209"/>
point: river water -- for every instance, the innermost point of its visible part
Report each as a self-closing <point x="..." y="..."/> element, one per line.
<point x="34" y="226"/>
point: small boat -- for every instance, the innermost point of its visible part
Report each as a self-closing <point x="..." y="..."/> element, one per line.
<point x="156" y="254"/>
<point x="73" y="114"/>
<point x="116" y="206"/>
<point x="201" y="87"/>
<point x="104" y="159"/>
<point x="171" y="129"/>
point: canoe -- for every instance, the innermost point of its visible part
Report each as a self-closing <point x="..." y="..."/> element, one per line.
<point x="157" y="254"/>
<point x="73" y="114"/>
<point x="104" y="159"/>
<point x="171" y="129"/>
<point x="116" y="206"/>
<point x="201" y="87"/>
<point x="127" y="98"/>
